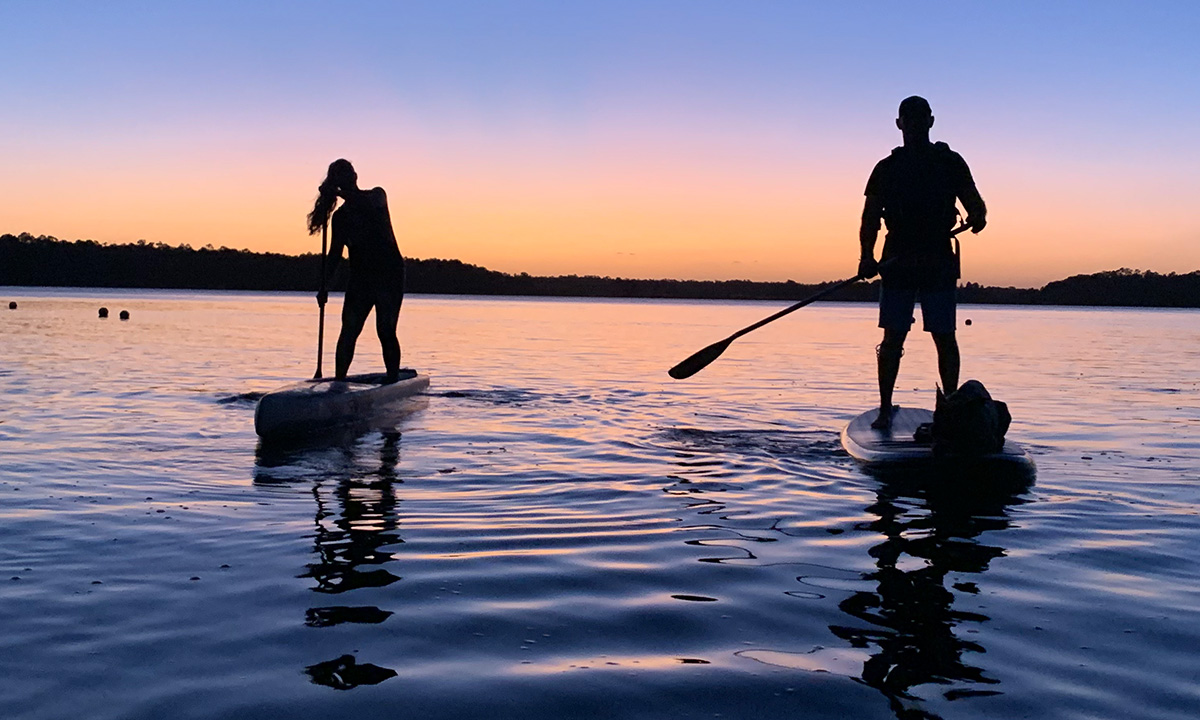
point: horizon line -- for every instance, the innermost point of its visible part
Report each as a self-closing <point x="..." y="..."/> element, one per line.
<point x="142" y="242"/>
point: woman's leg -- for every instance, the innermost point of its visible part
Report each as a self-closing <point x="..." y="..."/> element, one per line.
<point x="355" y="308"/>
<point x="387" y="316"/>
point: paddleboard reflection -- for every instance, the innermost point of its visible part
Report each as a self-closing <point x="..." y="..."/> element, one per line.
<point x="356" y="521"/>
<point x="912" y="623"/>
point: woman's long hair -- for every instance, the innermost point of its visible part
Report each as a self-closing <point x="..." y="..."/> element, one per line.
<point x="341" y="175"/>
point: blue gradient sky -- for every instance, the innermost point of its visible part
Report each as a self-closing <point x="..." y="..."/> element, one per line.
<point x="648" y="139"/>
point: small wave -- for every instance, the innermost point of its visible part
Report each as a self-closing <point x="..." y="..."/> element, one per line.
<point x="246" y="397"/>
<point x="1143" y="388"/>
<point x="837" y="660"/>
<point x="493" y="397"/>
<point x="776" y="443"/>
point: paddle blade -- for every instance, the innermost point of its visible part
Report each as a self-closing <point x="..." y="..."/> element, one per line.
<point x="699" y="360"/>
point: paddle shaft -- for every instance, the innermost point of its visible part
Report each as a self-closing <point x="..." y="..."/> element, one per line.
<point x="700" y="359"/>
<point x="321" y="320"/>
<point x="807" y="301"/>
<point x="817" y="296"/>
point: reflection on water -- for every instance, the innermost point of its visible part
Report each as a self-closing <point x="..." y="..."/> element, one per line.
<point x="580" y="532"/>
<point x="346" y="673"/>
<point x="909" y="622"/>
<point x="793" y="445"/>
<point x="351" y="537"/>
<point x="356" y="521"/>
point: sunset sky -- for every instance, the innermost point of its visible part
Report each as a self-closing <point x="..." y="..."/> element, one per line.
<point x="686" y="139"/>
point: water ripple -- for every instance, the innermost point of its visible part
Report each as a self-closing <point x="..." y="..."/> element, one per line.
<point x="588" y="539"/>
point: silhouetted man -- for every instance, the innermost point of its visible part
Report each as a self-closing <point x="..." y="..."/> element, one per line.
<point x="914" y="191"/>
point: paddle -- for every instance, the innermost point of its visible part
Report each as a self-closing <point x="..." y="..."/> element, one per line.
<point x="321" y="322"/>
<point x="701" y="359"/>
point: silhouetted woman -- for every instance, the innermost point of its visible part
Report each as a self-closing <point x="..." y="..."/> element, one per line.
<point x="363" y="226"/>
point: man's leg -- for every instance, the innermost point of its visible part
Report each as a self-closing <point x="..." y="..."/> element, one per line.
<point x="888" y="356"/>
<point x="938" y="308"/>
<point x="896" y="302"/>
<point x="948" y="360"/>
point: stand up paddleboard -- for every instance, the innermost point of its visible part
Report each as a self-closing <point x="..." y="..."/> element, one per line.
<point x="308" y="407"/>
<point x="898" y="447"/>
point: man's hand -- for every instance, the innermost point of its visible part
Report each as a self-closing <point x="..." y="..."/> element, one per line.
<point x="322" y="297"/>
<point x="867" y="267"/>
<point x="977" y="223"/>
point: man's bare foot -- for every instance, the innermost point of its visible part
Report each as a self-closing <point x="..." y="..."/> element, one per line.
<point x="884" y="421"/>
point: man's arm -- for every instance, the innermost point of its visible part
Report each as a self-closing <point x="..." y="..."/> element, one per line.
<point x="968" y="195"/>
<point x="976" y="210"/>
<point x="868" y="233"/>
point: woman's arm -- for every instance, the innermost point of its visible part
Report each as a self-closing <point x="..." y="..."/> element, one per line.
<point x="332" y="258"/>
<point x="379" y="200"/>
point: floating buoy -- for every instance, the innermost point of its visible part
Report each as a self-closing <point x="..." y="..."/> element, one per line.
<point x="103" y="312"/>
<point x="124" y="314"/>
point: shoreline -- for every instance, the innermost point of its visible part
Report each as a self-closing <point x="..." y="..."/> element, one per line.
<point x="28" y="261"/>
<point x="109" y="290"/>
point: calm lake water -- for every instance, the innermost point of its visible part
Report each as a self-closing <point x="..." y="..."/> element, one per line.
<point x="563" y="531"/>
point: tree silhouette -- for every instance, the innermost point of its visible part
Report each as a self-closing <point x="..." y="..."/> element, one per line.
<point x="27" y="260"/>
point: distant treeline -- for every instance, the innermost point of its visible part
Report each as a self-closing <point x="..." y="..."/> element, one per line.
<point x="47" y="261"/>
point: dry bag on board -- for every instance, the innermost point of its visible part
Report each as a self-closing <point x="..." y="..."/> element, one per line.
<point x="969" y="422"/>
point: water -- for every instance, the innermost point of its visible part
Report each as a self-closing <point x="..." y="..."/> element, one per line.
<point x="564" y="531"/>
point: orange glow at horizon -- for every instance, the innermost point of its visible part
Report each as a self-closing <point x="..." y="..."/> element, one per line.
<point x="640" y="207"/>
<point x="643" y="140"/>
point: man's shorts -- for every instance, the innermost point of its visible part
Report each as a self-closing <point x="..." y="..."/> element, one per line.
<point x="897" y="300"/>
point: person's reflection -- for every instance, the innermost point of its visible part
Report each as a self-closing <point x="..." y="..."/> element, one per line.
<point x="356" y="520"/>
<point x="929" y="531"/>
<point x="349" y="541"/>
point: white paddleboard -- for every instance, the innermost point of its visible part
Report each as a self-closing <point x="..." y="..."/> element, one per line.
<point x="311" y="406"/>
<point x="896" y="446"/>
